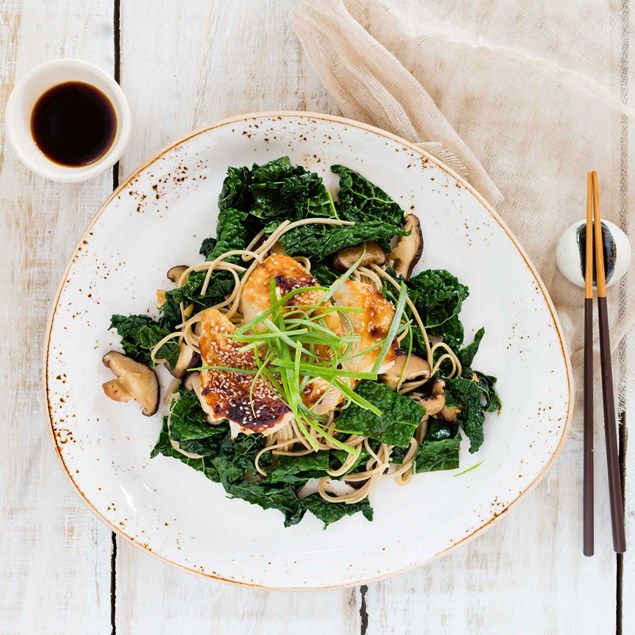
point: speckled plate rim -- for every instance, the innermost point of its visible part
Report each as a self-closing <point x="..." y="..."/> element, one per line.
<point x="387" y="135"/>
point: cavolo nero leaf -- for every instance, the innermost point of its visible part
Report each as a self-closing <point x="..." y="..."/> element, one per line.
<point x="338" y="457"/>
<point x="439" y="296"/>
<point x="473" y="396"/>
<point x="487" y="385"/>
<point x="235" y="191"/>
<point x="189" y="426"/>
<point x="466" y="355"/>
<point x="439" y="449"/>
<point x="163" y="446"/>
<point x="377" y="217"/>
<point x="139" y="335"/>
<point x="298" y="469"/>
<point x="280" y="497"/>
<point x="400" y="415"/>
<point x="324" y="274"/>
<point x="284" y="191"/>
<point x="330" y="513"/>
<point x="232" y="233"/>
<point x="221" y="284"/>
<point x="319" y="241"/>
<point x="361" y="201"/>
<point x="227" y="461"/>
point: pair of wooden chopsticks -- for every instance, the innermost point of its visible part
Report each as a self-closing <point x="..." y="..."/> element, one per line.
<point x="594" y="252"/>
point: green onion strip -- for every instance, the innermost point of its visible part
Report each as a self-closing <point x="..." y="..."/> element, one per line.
<point x="284" y="339"/>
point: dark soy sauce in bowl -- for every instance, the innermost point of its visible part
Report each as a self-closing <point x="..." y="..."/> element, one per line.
<point x="73" y="124"/>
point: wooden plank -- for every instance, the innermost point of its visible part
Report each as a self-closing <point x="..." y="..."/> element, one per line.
<point x="626" y="366"/>
<point x="525" y="575"/>
<point x="207" y="61"/>
<point x="153" y="597"/>
<point x="55" y="565"/>
<point x="214" y="60"/>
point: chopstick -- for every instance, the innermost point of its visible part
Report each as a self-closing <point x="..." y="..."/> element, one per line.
<point x="588" y="520"/>
<point x="608" y="397"/>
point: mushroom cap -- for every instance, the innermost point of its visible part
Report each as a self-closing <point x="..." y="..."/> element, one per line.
<point x="415" y="367"/>
<point x="408" y="249"/>
<point x="435" y="403"/>
<point x="347" y="257"/>
<point x="174" y="273"/>
<point x="134" y="381"/>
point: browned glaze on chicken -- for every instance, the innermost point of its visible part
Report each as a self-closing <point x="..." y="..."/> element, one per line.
<point x="227" y="393"/>
<point x="288" y="275"/>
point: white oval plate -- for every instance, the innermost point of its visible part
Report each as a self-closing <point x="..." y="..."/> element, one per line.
<point x="157" y="219"/>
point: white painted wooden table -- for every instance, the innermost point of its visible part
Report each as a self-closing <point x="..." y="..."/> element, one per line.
<point x="183" y="65"/>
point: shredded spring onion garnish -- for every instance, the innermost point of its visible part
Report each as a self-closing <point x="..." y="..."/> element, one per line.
<point x="294" y="348"/>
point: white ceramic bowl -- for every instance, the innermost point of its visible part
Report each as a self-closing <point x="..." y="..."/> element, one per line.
<point x="24" y="97"/>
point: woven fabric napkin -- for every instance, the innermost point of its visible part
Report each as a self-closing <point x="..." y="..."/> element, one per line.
<point x="539" y="107"/>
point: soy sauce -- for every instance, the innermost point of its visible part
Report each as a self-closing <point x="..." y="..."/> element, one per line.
<point x="73" y="124"/>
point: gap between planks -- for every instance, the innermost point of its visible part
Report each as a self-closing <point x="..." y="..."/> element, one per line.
<point x="116" y="23"/>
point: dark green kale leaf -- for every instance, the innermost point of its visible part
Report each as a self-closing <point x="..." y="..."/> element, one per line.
<point x="220" y="286"/>
<point x="283" y="191"/>
<point x="438" y="296"/>
<point x="397" y="455"/>
<point x="466" y="355"/>
<point x="232" y="233"/>
<point x="235" y="465"/>
<point x="361" y="201"/>
<point x="330" y="513"/>
<point x="204" y="465"/>
<point x="139" y="335"/>
<point x="189" y="426"/>
<point x="472" y="396"/>
<point x="298" y="469"/>
<point x="338" y="457"/>
<point x="398" y="421"/>
<point x="207" y="248"/>
<point x="324" y="274"/>
<point x="487" y="385"/>
<point x="439" y="449"/>
<point x="280" y="497"/>
<point x="319" y="241"/>
<point x="242" y="451"/>
<point x="235" y="192"/>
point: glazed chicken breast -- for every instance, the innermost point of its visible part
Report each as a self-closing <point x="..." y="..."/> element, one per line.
<point x="289" y="275"/>
<point x="226" y="394"/>
<point x="372" y="325"/>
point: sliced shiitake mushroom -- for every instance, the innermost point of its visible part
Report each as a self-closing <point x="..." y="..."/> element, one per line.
<point x="347" y="257"/>
<point x="134" y="381"/>
<point x="416" y="368"/>
<point x="174" y="273"/>
<point x="435" y="403"/>
<point x="188" y="358"/>
<point x="408" y="249"/>
<point x="449" y="414"/>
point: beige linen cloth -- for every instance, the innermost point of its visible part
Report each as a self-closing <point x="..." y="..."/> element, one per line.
<point x="522" y="106"/>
